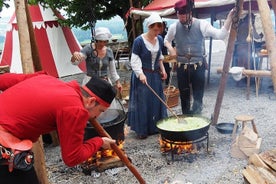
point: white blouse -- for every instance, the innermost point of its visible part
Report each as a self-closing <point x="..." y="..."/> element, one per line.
<point x="135" y="61"/>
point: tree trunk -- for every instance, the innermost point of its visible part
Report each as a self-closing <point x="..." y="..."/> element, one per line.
<point x="134" y="27"/>
<point x="35" y="53"/>
<point x="273" y="4"/>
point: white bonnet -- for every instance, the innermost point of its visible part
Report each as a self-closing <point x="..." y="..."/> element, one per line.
<point x="153" y="18"/>
<point x="102" y="33"/>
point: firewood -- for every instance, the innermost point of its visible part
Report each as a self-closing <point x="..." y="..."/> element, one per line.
<point x="251" y="150"/>
<point x="255" y="160"/>
<point x="252" y="175"/>
<point x="235" y="150"/>
<point x="248" y="138"/>
<point x="269" y="157"/>
<point x="268" y="176"/>
<point x="108" y="163"/>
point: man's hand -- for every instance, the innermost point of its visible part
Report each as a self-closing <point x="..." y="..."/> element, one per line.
<point x="107" y="142"/>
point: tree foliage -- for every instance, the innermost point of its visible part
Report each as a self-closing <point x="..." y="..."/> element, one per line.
<point x="4" y="3"/>
<point x="82" y="13"/>
<point x="85" y="13"/>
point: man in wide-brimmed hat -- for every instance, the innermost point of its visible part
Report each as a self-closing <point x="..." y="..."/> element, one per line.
<point x="36" y="104"/>
<point x="189" y="33"/>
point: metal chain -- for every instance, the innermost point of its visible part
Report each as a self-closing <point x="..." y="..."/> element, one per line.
<point x="93" y="40"/>
<point x="92" y="26"/>
<point x="235" y="19"/>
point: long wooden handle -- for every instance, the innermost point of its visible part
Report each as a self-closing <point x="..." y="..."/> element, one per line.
<point x="162" y="101"/>
<point x="101" y="131"/>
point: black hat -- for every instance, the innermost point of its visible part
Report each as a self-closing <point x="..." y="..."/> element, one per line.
<point x="184" y="6"/>
<point x="101" y="89"/>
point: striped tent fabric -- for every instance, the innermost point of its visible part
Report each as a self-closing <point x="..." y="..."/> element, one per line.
<point x="55" y="44"/>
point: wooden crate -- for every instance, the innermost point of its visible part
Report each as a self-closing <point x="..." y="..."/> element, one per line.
<point x="172" y="96"/>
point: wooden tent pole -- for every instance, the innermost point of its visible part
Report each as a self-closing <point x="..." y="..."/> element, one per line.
<point x="210" y="48"/>
<point x="35" y="53"/>
<point x="273" y="4"/>
<point x="28" y="67"/>
<point x="269" y="37"/>
<point x="24" y="37"/>
<point x="226" y="64"/>
<point x="132" y="22"/>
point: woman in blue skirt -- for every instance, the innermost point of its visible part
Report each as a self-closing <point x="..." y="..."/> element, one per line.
<point x="145" y="109"/>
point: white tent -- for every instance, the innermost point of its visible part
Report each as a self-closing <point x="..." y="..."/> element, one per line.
<point x="55" y="44"/>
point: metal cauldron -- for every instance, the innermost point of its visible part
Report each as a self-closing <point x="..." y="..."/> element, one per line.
<point x="184" y="135"/>
<point x="113" y="121"/>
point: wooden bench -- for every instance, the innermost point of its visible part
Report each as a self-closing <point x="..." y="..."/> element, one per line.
<point x="252" y="73"/>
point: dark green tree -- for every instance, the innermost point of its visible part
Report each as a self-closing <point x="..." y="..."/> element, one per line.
<point x="4" y="3"/>
<point x="84" y="14"/>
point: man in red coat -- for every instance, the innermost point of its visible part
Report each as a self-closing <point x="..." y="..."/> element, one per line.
<point x="36" y="104"/>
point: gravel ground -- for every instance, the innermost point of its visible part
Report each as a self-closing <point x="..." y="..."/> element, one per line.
<point x="215" y="166"/>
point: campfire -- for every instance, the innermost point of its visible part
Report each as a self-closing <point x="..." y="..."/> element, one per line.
<point x="103" y="160"/>
<point x="112" y="124"/>
<point x="176" y="146"/>
<point x="188" y="149"/>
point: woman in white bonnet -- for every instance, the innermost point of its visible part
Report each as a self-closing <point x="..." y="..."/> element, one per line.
<point x="145" y="109"/>
<point x="99" y="58"/>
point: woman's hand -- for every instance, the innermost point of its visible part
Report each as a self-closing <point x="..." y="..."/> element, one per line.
<point x="164" y="75"/>
<point x="77" y="57"/>
<point x="119" y="86"/>
<point x="143" y="78"/>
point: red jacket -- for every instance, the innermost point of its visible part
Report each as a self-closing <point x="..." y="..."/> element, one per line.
<point x="35" y="104"/>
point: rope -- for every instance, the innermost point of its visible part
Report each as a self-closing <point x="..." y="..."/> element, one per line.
<point x="249" y="36"/>
<point x="92" y="27"/>
<point x="251" y="44"/>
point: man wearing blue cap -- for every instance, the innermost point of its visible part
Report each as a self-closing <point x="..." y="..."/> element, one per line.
<point x="189" y="33"/>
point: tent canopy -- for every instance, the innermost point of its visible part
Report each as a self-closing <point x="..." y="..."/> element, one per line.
<point x="214" y="9"/>
<point x="203" y="8"/>
<point x="55" y="44"/>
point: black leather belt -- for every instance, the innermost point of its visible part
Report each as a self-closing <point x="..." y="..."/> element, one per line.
<point x="190" y="65"/>
<point x="150" y="70"/>
<point x="95" y="75"/>
<point x="188" y="60"/>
